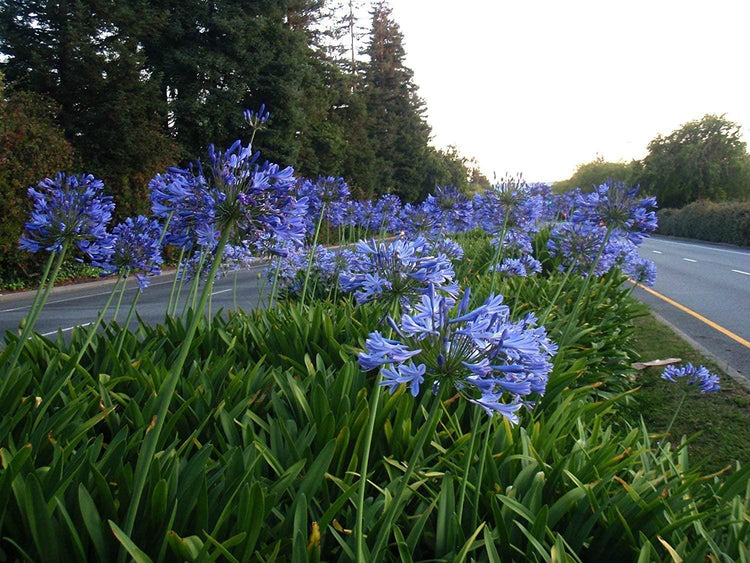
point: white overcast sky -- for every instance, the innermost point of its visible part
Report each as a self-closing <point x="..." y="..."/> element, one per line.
<point x="537" y="87"/>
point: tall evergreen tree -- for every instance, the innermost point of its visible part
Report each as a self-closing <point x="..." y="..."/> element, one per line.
<point x="397" y="126"/>
<point x="85" y="54"/>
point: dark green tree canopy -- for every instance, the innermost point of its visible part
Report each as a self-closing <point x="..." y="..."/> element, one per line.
<point x="596" y="172"/>
<point x="142" y="84"/>
<point x="703" y="159"/>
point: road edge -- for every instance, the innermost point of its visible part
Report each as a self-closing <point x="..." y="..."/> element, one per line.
<point x="731" y="372"/>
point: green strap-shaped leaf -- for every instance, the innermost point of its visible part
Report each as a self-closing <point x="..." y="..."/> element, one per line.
<point x="134" y="551"/>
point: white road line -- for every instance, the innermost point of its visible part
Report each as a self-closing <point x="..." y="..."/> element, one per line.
<point x="657" y="252"/>
<point x="659" y="240"/>
<point x="50" y="333"/>
<point x="222" y="291"/>
<point x="689" y="260"/>
<point x="78" y="298"/>
<point x="741" y="272"/>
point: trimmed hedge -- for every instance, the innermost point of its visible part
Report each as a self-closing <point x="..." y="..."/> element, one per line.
<point x="705" y="220"/>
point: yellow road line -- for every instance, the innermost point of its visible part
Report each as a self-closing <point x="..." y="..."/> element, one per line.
<point x="709" y="322"/>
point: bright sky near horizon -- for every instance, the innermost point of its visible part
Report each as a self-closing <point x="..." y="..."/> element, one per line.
<point x="540" y="86"/>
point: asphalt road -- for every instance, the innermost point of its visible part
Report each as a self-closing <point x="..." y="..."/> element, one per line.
<point x="711" y="281"/>
<point x="72" y="305"/>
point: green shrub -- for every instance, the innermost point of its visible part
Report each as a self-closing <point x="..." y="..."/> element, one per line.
<point x="32" y="147"/>
<point x="260" y="453"/>
<point x="727" y="222"/>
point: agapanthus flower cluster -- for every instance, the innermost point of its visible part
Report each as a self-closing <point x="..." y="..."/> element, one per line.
<point x="362" y="214"/>
<point x="256" y="202"/>
<point x="447" y="246"/>
<point x="453" y="210"/>
<point x="544" y="195"/>
<point x="515" y="240"/>
<point x="403" y="270"/>
<point x="419" y="220"/>
<point x="616" y="206"/>
<point x="388" y="211"/>
<point x="333" y="193"/>
<point x="488" y="359"/>
<point x="524" y="266"/>
<point x="257" y="119"/>
<point x="700" y="376"/>
<point x="137" y="249"/>
<point x="578" y="245"/>
<point x="70" y="210"/>
<point x="640" y="270"/>
<point x="564" y="204"/>
<point x="326" y="267"/>
<point x="509" y="205"/>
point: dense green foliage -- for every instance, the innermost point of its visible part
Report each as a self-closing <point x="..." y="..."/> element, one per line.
<point x="703" y="159"/>
<point x="32" y="146"/>
<point x="721" y="417"/>
<point x="141" y="85"/>
<point x="596" y="172"/>
<point x="728" y="221"/>
<point x="259" y="456"/>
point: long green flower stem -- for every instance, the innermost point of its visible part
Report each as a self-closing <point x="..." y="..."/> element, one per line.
<point x="553" y="302"/>
<point x="584" y="287"/>
<point x="469" y="457"/>
<point x="275" y="285"/>
<point x="312" y="253"/>
<point x="63" y="381"/>
<point x="192" y="299"/>
<point x="131" y="312"/>
<point x="167" y="389"/>
<point x="54" y="264"/>
<point x="174" y="283"/>
<point x="480" y="476"/>
<point x="359" y="526"/>
<point x="677" y="410"/>
<point x="498" y="252"/>
<point x="394" y="509"/>
<point x="120" y="276"/>
<point x="261" y="289"/>
<point x="374" y="402"/>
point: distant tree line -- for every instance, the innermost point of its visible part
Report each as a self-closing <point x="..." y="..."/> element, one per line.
<point x="704" y="159"/>
<point x="139" y="85"/>
<point x="123" y="89"/>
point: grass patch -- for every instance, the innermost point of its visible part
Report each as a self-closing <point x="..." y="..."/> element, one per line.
<point x="718" y="422"/>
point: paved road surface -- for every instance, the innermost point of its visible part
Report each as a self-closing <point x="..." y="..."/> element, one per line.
<point x="73" y="305"/>
<point x="712" y="281"/>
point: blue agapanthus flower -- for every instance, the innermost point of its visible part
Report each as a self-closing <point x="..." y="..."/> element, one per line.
<point x="257" y="119"/>
<point x="328" y="191"/>
<point x="401" y="270"/>
<point x="449" y="247"/>
<point x="700" y="376"/>
<point x="617" y="207"/>
<point x="524" y="266"/>
<point x="387" y="214"/>
<point x="640" y="270"/>
<point x="578" y="245"/>
<point x="488" y="359"/>
<point x="256" y="202"/>
<point x="453" y="210"/>
<point x="515" y="240"/>
<point x="72" y="210"/>
<point x="511" y="204"/>
<point x="137" y="249"/>
<point x="419" y="220"/>
<point x="327" y="266"/>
